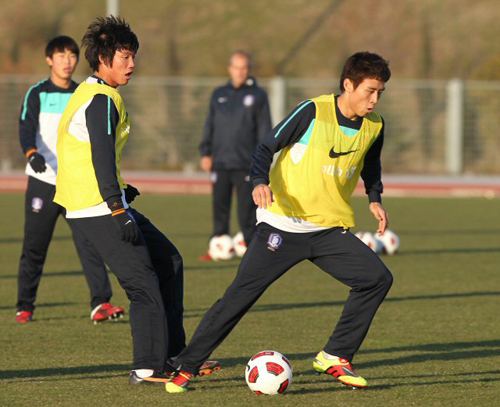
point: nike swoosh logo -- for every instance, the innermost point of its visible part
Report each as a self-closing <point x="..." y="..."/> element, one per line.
<point x="128" y="222"/>
<point x="333" y="154"/>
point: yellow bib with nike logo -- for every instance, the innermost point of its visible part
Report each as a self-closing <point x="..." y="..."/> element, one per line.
<point x="317" y="188"/>
<point x="76" y="185"/>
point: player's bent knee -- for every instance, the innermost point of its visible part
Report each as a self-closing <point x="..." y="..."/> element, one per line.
<point x="385" y="279"/>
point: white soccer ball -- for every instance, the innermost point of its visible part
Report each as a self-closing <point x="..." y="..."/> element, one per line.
<point x="240" y="247"/>
<point x="221" y="248"/>
<point x="389" y="241"/>
<point x="371" y="241"/>
<point x="268" y="372"/>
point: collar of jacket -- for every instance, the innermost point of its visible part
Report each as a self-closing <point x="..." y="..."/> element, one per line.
<point x="250" y="82"/>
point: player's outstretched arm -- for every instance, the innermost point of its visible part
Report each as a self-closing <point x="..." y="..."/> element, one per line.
<point x="263" y="196"/>
<point x="381" y="215"/>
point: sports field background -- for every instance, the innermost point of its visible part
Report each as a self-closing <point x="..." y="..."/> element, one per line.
<point x="434" y="342"/>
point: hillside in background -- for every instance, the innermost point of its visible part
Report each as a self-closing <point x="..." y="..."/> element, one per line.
<point x="432" y="39"/>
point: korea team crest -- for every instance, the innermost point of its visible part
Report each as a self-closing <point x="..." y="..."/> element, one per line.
<point x="249" y="100"/>
<point x="274" y="241"/>
<point x="37" y="204"/>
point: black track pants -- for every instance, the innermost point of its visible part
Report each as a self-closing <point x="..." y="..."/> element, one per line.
<point x="272" y="253"/>
<point x="41" y="215"/>
<point x="224" y="181"/>
<point x="151" y="273"/>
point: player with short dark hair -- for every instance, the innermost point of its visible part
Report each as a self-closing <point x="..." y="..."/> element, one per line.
<point x="40" y="115"/>
<point x="62" y="43"/>
<point x="93" y="132"/>
<point x="304" y="213"/>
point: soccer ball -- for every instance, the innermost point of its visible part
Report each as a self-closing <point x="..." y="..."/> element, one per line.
<point x="371" y="241"/>
<point x="221" y="248"/>
<point x="268" y="372"/>
<point x="389" y="241"/>
<point x="240" y="247"/>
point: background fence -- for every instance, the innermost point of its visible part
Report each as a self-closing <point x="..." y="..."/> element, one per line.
<point x="432" y="127"/>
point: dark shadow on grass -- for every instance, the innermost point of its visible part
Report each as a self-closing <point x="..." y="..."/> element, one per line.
<point x="198" y="312"/>
<point x="211" y="266"/>
<point x="442" y="232"/>
<point x="437" y="356"/>
<point x="20" y="239"/>
<point x="431" y="383"/>
<point x="442" y="351"/>
<point x="123" y="375"/>
<point x="230" y="264"/>
<point x="62" y="371"/>
<point x="43" y="305"/>
<point x="69" y="273"/>
<point x="453" y="251"/>
<point x="468" y="374"/>
<point x="437" y="347"/>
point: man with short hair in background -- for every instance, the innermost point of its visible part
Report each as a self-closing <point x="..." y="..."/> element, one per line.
<point x="40" y="115"/>
<point x="238" y="119"/>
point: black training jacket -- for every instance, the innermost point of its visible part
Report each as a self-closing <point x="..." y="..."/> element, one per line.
<point x="237" y="121"/>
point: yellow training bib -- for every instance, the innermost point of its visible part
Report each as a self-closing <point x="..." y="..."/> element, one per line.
<point x="76" y="185"/>
<point x="316" y="185"/>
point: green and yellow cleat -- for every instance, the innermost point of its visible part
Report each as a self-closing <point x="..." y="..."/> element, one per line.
<point x="339" y="368"/>
<point x="179" y="383"/>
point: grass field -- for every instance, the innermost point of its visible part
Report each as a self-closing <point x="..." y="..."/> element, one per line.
<point x="434" y="342"/>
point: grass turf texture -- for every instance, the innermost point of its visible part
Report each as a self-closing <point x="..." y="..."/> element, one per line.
<point x="435" y="341"/>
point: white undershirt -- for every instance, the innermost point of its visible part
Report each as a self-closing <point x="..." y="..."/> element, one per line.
<point x="287" y="224"/>
<point x="97" y="210"/>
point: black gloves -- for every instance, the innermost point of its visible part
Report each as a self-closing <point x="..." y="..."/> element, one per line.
<point x="37" y="162"/>
<point x="130" y="193"/>
<point x="128" y="227"/>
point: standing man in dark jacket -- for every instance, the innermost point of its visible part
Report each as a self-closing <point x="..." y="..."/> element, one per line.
<point x="237" y="121"/>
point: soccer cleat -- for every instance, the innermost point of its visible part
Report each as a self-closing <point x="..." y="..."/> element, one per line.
<point x="170" y="368"/>
<point x="106" y="311"/>
<point x="206" y="257"/>
<point x="155" y="378"/>
<point x="339" y="368"/>
<point x="209" y="367"/>
<point x="179" y="383"/>
<point x="24" y="316"/>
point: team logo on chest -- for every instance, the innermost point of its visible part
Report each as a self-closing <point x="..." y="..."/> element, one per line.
<point x="37" y="204"/>
<point x="274" y="241"/>
<point x="248" y="100"/>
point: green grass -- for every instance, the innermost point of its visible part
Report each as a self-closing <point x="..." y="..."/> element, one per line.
<point x="434" y="342"/>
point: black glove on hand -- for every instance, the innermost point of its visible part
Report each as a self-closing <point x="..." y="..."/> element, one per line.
<point x="37" y="162"/>
<point x="128" y="227"/>
<point x="130" y="193"/>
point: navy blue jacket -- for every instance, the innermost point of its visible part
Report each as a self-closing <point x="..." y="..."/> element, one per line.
<point x="237" y="121"/>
